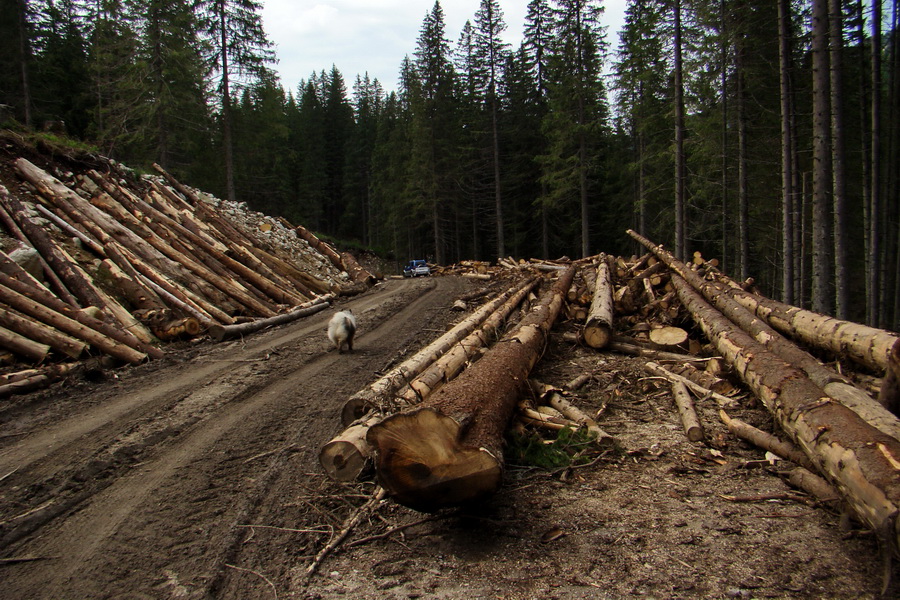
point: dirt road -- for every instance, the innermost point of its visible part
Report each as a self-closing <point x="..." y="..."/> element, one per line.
<point x="147" y="477"/>
<point x="197" y="477"/>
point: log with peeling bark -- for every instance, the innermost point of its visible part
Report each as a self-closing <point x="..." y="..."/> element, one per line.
<point x="52" y="311"/>
<point x="219" y="333"/>
<point x="686" y="411"/>
<point x="23" y="346"/>
<point x="861" y="461"/>
<point x="449" y="450"/>
<point x="833" y="383"/>
<point x="40" y="333"/>
<point x="598" y="328"/>
<point x="13" y="228"/>
<point x="866" y="345"/>
<point x="766" y="441"/>
<point x="889" y="395"/>
<point x="386" y="386"/>
<point x="345" y="456"/>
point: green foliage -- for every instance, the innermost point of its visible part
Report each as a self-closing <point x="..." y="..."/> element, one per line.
<point x="569" y="448"/>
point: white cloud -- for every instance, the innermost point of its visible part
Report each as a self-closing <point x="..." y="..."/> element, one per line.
<point x="359" y="36"/>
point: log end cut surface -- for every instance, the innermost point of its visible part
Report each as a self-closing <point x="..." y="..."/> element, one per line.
<point x="422" y="464"/>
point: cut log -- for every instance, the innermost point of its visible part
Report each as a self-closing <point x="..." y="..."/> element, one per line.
<point x="689" y="419"/>
<point x="766" y="441"/>
<point x="858" y="458"/>
<point x="449" y="451"/>
<point x="635" y="349"/>
<point x="668" y="337"/>
<point x="385" y="387"/>
<point x="23" y="346"/>
<point x="555" y="399"/>
<point x="38" y="332"/>
<point x="219" y="333"/>
<point x="598" y="328"/>
<point x="704" y="378"/>
<point x="867" y="345"/>
<point x="345" y="456"/>
<point x="812" y="484"/>
<point x="698" y="389"/>
<point x="13" y="228"/>
<point x="889" y="395"/>
<point x="109" y="339"/>
<point x="833" y="383"/>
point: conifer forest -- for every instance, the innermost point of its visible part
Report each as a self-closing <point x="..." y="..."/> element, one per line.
<point x="763" y="133"/>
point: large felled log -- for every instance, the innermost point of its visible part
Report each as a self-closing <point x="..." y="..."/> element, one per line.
<point x="861" y="461"/>
<point x="345" y="456"/>
<point x="889" y="396"/>
<point x="39" y="332"/>
<point x="867" y="345"/>
<point x="363" y="400"/>
<point x="78" y="324"/>
<point x="598" y="328"/>
<point x="833" y="383"/>
<point x="23" y="346"/>
<point x="450" y="450"/>
<point x="49" y="274"/>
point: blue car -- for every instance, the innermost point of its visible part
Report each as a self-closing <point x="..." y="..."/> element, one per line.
<point x="416" y="268"/>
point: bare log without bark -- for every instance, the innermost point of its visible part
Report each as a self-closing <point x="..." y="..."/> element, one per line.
<point x="689" y="419"/>
<point x="598" y="328"/>
<point x="449" y="451"/>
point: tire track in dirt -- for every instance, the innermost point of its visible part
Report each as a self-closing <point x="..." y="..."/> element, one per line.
<point x="166" y="523"/>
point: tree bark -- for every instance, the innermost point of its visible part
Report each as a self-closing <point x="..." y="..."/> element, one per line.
<point x="449" y="450"/>
<point x="889" y="396"/>
<point x="598" y="328"/>
<point x="40" y="333"/>
<point x="822" y="190"/>
<point x="841" y="221"/>
<point x="859" y="459"/>
<point x="363" y="400"/>
<point x="787" y="151"/>
<point x="68" y="325"/>
<point x="22" y="345"/>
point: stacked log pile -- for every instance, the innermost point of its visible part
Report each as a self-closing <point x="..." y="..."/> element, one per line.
<point x="102" y="267"/>
<point x="713" y="340"/>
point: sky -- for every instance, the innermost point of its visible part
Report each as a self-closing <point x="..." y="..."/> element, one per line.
<point x="373" y="36"/>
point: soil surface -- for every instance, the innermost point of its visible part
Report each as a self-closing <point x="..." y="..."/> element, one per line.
<point x="197" y="476"/>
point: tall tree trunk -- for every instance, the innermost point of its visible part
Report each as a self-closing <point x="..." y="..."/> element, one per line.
<point x="23" y="62"/>
<point x="680" y="225"/>
<point x="891" y="289"/>
<point x="498" y="197"/>
<point x="841" y="226"/>
<point x="723" y="257"/>
<point x="873" y="280"/>
<point x="743" y="187"/>
<point x="864" y="130"/>
<point x="787" y="175"/>
<point x="227" y="140"/>
<point x="822" y="255"/>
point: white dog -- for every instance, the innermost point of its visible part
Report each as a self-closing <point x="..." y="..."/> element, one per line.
<point x="342" y="328"/>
